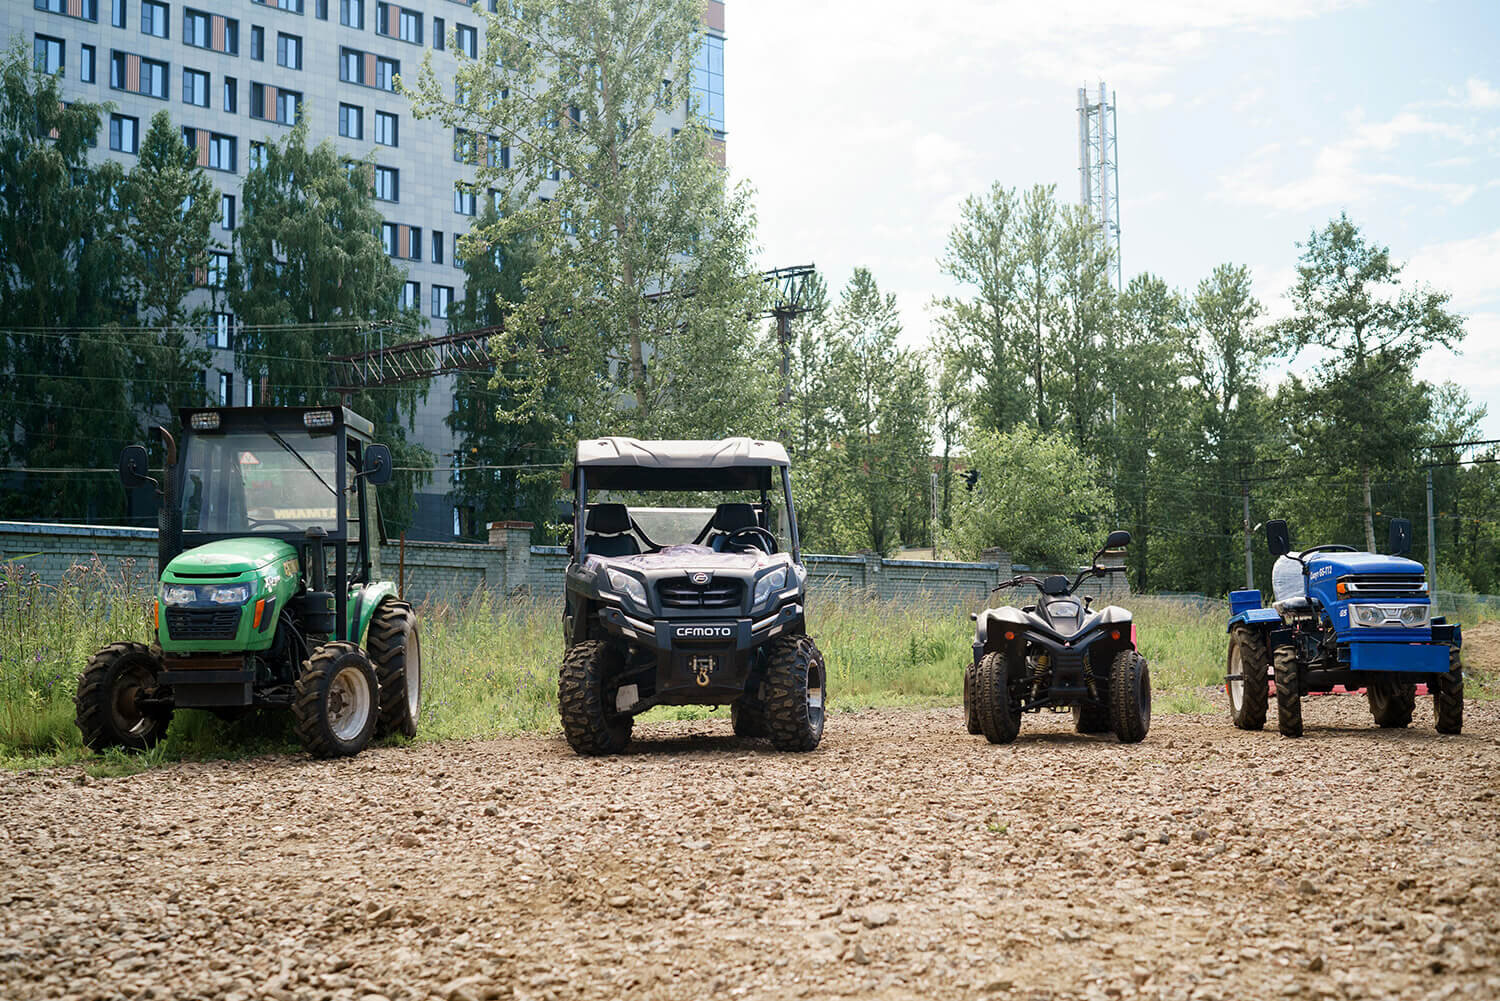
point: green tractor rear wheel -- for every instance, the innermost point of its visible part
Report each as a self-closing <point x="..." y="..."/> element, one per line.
<point x="105" y="705"/>
<point x="395" y="644"/>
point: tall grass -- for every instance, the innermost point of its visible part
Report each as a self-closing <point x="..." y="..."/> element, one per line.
<point x="491" y="668"/>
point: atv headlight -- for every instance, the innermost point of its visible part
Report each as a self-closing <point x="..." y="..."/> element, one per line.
<point x="178" y="594"/>
<point x="767" y="586"/>
<point x="1415" y="616"/>
<point x="623" y="583"/>
<point x="234" y="594"/>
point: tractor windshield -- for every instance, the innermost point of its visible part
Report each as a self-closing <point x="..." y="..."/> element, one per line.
<point x="259" y="481"/>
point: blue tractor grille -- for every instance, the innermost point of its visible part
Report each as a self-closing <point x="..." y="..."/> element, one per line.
<point x="203" y="623"/>
<point x="1385" y="585"/>
<point x="681" y="592"/>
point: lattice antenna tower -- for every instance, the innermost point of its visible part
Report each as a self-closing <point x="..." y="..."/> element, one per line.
<point x="1099" y="171"/>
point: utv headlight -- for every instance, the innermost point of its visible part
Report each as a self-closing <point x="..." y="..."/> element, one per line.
<point x="623" y="583"/>
<point x="234" y="594"/>
<point x="767" y="586"/>
<point x="178" y="594"/>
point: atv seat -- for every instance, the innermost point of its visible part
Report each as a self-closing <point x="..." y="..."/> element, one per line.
<point x="728" y="519"/>
<point x="608" y="527"/>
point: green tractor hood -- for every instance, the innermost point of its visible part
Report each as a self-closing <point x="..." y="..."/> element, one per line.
<point x="230" y="558"/>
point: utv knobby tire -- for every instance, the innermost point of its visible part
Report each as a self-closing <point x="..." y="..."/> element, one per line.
<point x="1249" y="659"/>
<point x="105" y="704"/>
<point x="1288" y="692"/>
<point x="1448" y="695"/>
<point x="998" y="718"/>
<point x="796" y="690"/>
<point x="338" y="701"/>
<point x="747" y="715"/>
<point x="971" y="713"/>
<point x="1130" y="696"/>
<point x="1392" y="701"/>
<point x="395" y="644"/>
<point x="585" y="699"/>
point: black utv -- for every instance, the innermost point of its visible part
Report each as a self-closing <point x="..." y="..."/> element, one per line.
<point x="1058" y="654"/>
<point x="698" y="602"/>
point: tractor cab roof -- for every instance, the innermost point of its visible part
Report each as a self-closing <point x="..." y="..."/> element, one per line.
<point x="207" y="420"/>
<point x="631" y="464"/>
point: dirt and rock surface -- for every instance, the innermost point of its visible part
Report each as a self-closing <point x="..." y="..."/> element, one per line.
<point x="904" y="859"/>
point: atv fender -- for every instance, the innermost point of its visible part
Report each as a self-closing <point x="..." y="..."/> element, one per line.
<point x="1005" y="615"/>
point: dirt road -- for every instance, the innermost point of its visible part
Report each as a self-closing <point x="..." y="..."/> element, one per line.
<point x="905" y="859"/>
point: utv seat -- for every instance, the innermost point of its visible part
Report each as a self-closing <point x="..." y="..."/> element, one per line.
<point x="608" y="528"/>
<point x="728" y="519"/>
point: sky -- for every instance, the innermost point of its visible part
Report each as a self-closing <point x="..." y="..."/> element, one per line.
<point x="1243" y="125"/>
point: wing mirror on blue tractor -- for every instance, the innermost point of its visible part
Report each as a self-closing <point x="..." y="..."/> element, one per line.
<point x="377" y="465"/>
<point x="1278" y="539"/>
<point x="1400" y="537"/>
<point x="135" y="469"/>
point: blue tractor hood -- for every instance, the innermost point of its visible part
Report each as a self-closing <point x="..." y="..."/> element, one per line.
<point x="1324" y="565"/>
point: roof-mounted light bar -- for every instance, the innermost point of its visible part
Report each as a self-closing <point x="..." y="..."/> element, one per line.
<point x="207" y="420"/>
<point x="318" y="419"/>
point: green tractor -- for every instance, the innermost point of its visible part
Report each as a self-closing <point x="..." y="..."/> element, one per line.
<point x="256" y="503"/>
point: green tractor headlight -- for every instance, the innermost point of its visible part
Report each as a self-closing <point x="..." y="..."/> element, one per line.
<point x="236" y="594"/>
<point x="178" y="594"/>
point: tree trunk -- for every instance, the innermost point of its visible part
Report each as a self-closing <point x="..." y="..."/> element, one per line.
<point x="1364" y="472"/>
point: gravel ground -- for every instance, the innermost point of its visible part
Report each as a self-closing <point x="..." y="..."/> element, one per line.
<point x="904" y="859"/>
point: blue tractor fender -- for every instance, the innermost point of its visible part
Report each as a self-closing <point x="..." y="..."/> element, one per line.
<point x="1256" y="618"/>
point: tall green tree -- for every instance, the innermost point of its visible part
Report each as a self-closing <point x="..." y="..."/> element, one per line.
<point x="311" y="281"/>
<point x="1036" y="294"/>
<point x="1083" y="318"/>
<point x="644" y="268"/>
<point x="1350" y="301"/>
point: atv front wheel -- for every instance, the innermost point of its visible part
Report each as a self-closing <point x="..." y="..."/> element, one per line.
<point x="1247" y="685"/>
<point x="1130" y="696"/>
<point x="337" y="702"/>
<point x="1288" y="692"/>
<point x="105" y="705"/>
<point x="971" y="712"/>
<point x="796" y="693"/>
<point x="1448" y="695"/>
<point x="1392" y="701"/>
<point x="747" y="714"/>
<point x="395" y="645"/>
<point x="998" y="717"/>
<point x="586" y="699"/>
<point x="1091" y="718"/>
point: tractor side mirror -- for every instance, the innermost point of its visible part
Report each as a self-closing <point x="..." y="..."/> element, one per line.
<point x="377" y="465"/>
<point x="1278" y="540"/>
<point x="134" y="467"/>
<point x="1400" y="537"/>
<point x="1118" y="539"/>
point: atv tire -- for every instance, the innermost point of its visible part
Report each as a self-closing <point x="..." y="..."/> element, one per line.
<point x="1448" y="695"/>
<point x="998" y="719"/>
<point x="1248" y="697"/>
<point x="971" y="712"/>
<point x="796" y="693"/>
<point x="1392" y="701"/>
<point x="338" y="702"/>
<point x="1288" y="692"/>
<point x="747" y="714"/>
<point x="395" y="645"/>
<point x="1091" y="718"/>
<point x="105" y="704"/>
<point x="586" y="688"/>
<point x="1130" y="696"/>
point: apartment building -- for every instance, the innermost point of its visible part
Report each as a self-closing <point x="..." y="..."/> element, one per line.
<point x="235" y="74"/>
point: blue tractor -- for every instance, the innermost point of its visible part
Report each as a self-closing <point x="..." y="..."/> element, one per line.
<point x="1342" y="617"/>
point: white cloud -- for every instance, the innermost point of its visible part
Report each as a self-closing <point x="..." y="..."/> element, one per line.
<point x="1479" y="94"/>
<point x="1468" y="268"/>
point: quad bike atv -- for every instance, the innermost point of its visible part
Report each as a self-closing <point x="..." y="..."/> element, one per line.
<point x="1058" y="654"/>
<point x="248" y="614"/>
<point x="687" y="605"/>
<point x="1342" y="617"/>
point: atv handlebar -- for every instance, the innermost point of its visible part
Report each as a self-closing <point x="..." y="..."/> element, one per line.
<point x="1036" y="582"/>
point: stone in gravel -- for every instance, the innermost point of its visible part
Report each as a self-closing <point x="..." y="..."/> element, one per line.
<point x="877" y="917"/>
<point x="1306" y="888"/>
<point x="859" y="955"/>
<point x="408" y="841"/>
<point x="619" y="900"/>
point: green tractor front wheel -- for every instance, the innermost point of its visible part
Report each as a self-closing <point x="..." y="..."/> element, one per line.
<point x="106" y="709"/>
<point x="337" y="704"/>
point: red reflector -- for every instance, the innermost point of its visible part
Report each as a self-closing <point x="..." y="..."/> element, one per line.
<point x="260" y="608"/>
<point x="1010" y="636"/>
<point x="156" y="615"/>
<point x="1114" y="634"/>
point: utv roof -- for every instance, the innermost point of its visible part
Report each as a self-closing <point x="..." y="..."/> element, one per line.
<point x="632" y="464"/>
<point x="279" y="418"/>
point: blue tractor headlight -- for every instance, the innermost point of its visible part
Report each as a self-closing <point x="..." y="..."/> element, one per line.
<point x="767" y="586"/>
<point x="627" y="585"/>
<point x="1415" y="615"/>
<point x="1397" y="616"/>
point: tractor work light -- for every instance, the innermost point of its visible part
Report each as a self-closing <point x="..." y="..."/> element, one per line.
<point x="318" y="419"/>
<point x="206" y="421"/>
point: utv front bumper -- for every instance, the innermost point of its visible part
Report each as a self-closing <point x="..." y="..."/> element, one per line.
<point x="698" y="661"/>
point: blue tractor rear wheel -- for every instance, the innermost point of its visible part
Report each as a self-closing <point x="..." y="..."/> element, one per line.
<point x="1448" y="695"/>
<point x="1288" y="691"/>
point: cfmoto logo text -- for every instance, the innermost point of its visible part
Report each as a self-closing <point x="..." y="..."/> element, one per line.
<point x="704" y="632"/>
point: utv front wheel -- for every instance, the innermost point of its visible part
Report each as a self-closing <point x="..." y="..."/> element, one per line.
<point x="1448" y="695"/>
<point x="747" y="714"/>
<point x="337" y="703"/>
<point x="586" y="699"/>
<point x="1392" y="701"/>
<point x="971" y="712"/>
<point x="796" y="693"/>
<point x="998" y="718"/>
<point x="105" y="705"/>
<point x="1130" y="697"/>
<point x="395" y="644"/>
<point x="1288" y="692"/>
<point x="1247" y="685"/>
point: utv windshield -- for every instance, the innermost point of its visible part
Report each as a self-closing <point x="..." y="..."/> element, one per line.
<point x="271" y="481"/>
<point x="659" y="524"/>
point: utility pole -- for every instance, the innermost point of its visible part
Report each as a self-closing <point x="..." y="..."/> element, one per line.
<point x="1249" y="564"/>
<point x="934" y="514"/>
<point x="1431" y="539"/>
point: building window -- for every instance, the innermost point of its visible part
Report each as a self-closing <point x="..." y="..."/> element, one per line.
<point x="288" y="106"/>
<point x="154" y="18"/>
<point x="352" y="14"/>
<point x="293" y="6"/>
<point x="231" y="95"/>
<point x="388" y="238"/>
<point x="222" y="155"/>
<point x="388" y="184"/>
<point x="87" y="10"/>
<point x="386" y="125"/>
<point x="218" y="270"/>
<point x="288" y="51"/>
<point x="195" y="89"/>
<point x="352" y="121"/>
<point x="274" y="104"/>
<point x="124" y="133"/>
<point x="257" y="158"/>
<point x="86" y="63"/>
<point x="226" y="212"/>
<point x="47" y="54"/>
<point x="132" y="73"/>
<point x="708" y="81"/>
<point x="257" y="42"/>
<point x="442" y="299"/>
<point x="411" y="295"/>
<point x="437" y="246"/>
<point x="117" y="13"/>
<point x="466" y="39"/>
<point x="322" y="10"/>
<point x="218" y="334"/>
<point x="438" y="41"/>
<point x="464" y="202"/>
<point x="386" y="71"/>
<point x="351" y="66"/>
<point x="226" y="389"/>
<point x="497" y="155"/>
